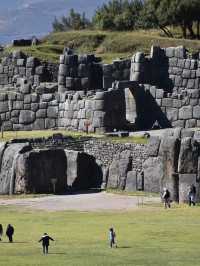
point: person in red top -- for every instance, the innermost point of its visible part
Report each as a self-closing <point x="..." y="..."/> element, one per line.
<point x="45" y="242"/>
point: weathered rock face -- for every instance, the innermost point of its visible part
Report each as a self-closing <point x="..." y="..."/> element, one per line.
<point x="8" y="163"/>
<point x="188" y="158"/>
<point x="119" y="169"/>
<point x="169" y="151"/>
<point x="153" y="169"/>
<point x="24" y="170"/>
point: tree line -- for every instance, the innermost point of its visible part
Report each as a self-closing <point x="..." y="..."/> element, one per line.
<point x="127" y="15"/>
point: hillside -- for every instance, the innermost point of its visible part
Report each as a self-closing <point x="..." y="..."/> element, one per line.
<point x="108" y="45"/>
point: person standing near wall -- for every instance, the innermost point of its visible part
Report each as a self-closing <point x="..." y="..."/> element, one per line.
<point x="192" y="196"/>
<point x="1" y="231"/>
<point x="166" y="198"/>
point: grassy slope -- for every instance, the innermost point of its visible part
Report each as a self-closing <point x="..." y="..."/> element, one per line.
<point x="146" y="237"/>
<point x="108" y="45"/>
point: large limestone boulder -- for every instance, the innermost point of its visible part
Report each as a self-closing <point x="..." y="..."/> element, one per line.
<point x="188" y="158"/>
<point x="153" y="172"/>
<point x="9" y="157"/>
<point x="169" y="152"/>
<point x="118" y="170"/>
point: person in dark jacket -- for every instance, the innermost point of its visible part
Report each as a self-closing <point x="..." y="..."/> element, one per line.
<point x="1" y="231"/>
<point x="10" y="232"/>
<point x="112" y="236"/>
<point x="45" y="242"/>
<point x="192" y="196"/>
<point x="166" y="198"/>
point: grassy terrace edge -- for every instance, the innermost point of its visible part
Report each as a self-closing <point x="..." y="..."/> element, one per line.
<point x="9" y="135"/>
<point x="106" y="44"/>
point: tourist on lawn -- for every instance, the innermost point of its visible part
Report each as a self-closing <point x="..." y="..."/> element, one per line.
<point x="192" y="195"/>
<point x="166" y="198"/>
<point x="10" y="232"/>
<point x="1" y="231"/>
<point x="45" y="242"/>
<point x="112" y="236"/>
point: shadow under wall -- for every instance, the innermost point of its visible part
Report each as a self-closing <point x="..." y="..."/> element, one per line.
<point x="89" y="173"/>
<point x="148" y="112"/>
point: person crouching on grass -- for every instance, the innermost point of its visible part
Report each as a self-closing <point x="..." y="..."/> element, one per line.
<point x="45" y="242"/>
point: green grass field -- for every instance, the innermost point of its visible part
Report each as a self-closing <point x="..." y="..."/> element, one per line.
<point x="149" y="236"/>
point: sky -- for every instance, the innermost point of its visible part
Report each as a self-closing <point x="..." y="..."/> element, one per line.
<point x="25" y="18"/>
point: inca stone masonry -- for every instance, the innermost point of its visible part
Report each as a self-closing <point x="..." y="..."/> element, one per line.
<point x="161" y="90"/>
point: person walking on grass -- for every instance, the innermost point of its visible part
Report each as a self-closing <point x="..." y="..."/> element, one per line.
<point x="45" y="242"/>
<point x="192" y="196"/>
<point x="1" y="231"/>
<point x="166" y="198"/>
<point x="112" y="237"/>
<point x="10" y="232"/>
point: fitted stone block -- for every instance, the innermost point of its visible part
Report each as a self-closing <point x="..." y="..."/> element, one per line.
<point x="26" y="117"/>
<point x="185" y="112"/>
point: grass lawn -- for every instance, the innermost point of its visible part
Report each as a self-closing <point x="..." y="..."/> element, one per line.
<point x="8" y="135"/>
<point x="148" y="236"/>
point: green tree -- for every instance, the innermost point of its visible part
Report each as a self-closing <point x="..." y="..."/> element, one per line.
<point x="118" y="15"/>
<point x="74" y="21"/>
<point x="164" y="13"/>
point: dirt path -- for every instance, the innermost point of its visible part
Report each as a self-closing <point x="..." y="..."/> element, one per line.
<point x="81" y="202"/>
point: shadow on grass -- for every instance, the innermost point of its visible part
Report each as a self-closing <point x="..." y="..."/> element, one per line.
<point x="124" y="247"/>
<point x="57" y="253"/>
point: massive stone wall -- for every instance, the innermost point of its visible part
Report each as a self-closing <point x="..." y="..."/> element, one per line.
<point x="28" y="109"/>
<point x="18" y="64"/>
<point x="170" y="84"/>
<point x="170" y="161"/>
<point x="159" y="90"/>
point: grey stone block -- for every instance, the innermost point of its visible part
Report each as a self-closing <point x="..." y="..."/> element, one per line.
<point x="27" y="106"/>
<point x="4" y="107"/>
<point x="196" y="112"/>
<point x="26" y="117"/>
<point x="52" y="112"/>
<point x="172" y="114"/>
<point x="178" y="123"/>
<point x="34" y="107"/>
<point x="131" y="181"/>
<point x="50" y="123"/>
<point x="61" y="80"/>
<point x="191" y="123"/>
<point x="47" y="97"/>
<point x="186" y="73"/>
<point x="167" y="102"/>
<point x="185" y="112"/>
<point x="43" y="105"/>
<point x="18" y="105"/>
<point x="185" y="182"/>
<point x="34" y="98"/>
<point x="27" y="98"/>
<point x="15" y="113"/>
<point x="170" y="51"/>
<point x="159" y="93"/>
<point x="153" y="146"/>
<point x="63" y="70"/>
<point x="153" y="170"/>
<point x="39" y="124"/>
